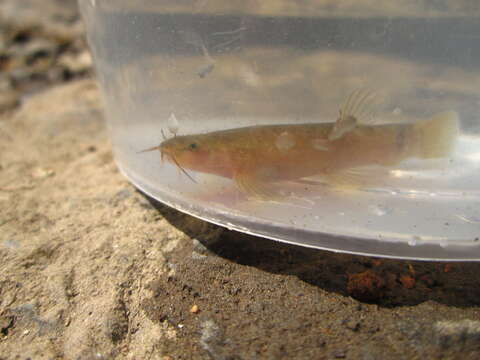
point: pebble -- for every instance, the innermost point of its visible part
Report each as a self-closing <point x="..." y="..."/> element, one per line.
<point x="76" y="63"/>
<point x="366" y="286"/>
<point x="41" y="173"/>
<point x="199" y="247"/>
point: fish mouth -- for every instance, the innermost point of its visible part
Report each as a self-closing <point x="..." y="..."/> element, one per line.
<point x="164" y="153"/>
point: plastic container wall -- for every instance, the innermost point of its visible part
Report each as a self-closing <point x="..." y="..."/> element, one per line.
<point x="353" y="128"/>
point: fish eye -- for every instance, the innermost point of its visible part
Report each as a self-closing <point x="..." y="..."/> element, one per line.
<point x="193" y="146"/>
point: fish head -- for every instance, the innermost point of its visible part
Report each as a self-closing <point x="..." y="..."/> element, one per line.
<point x="188" y="152"/>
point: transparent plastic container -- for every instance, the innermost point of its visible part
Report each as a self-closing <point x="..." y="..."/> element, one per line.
<point x="241" y="100"/>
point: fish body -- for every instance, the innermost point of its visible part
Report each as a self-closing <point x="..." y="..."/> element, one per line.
<point x="306" y="150"/>
<point x="258" y="155"/>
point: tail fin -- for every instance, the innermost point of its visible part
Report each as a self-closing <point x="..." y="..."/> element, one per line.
<point x="437" y="135"/>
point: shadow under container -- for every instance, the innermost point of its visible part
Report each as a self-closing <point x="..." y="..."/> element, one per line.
<point x="241" y="99"/>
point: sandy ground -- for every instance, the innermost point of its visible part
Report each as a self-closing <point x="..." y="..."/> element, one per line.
<point x="92" y="269"/>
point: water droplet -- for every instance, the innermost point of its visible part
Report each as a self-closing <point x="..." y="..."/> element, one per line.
<point x="397" y="111"/>
<point x="414" y="240"/>
<point x="443" y="243"/>
<point x="173" y="125"/>
<point x="379" y="210"/>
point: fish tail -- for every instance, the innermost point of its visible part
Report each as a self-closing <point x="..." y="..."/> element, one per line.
<point x="437" y="135"/>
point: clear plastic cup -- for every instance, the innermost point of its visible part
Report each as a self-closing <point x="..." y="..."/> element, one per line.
<point x="351" y="127"/>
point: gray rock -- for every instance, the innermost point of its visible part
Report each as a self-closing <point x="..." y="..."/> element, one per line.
<point x="457" y="333"/>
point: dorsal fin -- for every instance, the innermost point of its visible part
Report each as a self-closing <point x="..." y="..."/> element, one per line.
<point x="357" y="110"/>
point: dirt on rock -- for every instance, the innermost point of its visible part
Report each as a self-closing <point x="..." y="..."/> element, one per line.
<point x="90" y="268"/>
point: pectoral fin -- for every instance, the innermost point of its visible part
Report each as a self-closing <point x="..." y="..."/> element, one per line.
<point x="253" y="187"/>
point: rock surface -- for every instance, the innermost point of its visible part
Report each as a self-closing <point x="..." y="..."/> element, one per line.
<point x="91" y="268"/>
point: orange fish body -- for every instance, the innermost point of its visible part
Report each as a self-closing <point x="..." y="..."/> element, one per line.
<point x="258" y="155"/>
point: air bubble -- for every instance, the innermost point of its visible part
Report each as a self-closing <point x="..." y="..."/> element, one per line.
<point x="173" y="125"/>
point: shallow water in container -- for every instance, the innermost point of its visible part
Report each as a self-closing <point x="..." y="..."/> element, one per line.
<point x="202" y="68"/>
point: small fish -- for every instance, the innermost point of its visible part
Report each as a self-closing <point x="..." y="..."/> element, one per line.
<point x="256" y="157"/>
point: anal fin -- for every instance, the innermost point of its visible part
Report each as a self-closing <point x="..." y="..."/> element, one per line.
<point x="358" y="177"/>
<point x="309" y="182"/>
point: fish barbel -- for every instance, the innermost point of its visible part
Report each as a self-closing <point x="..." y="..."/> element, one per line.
<point x="257" y="156"/>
